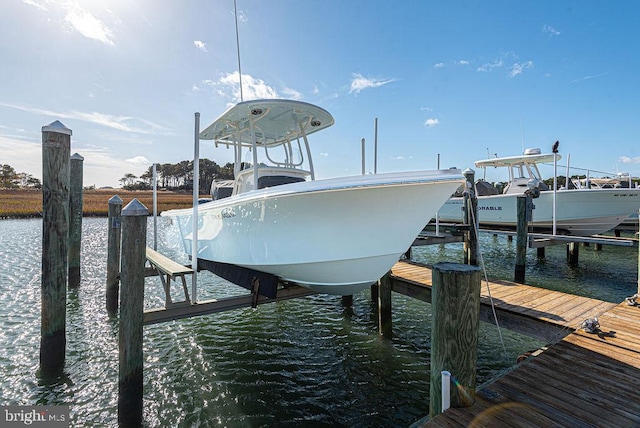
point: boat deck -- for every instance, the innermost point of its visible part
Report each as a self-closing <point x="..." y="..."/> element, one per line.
<point x="585" y="379"/>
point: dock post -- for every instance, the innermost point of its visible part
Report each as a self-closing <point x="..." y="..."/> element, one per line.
<point x="347" y="300"/>
<point x="56" y="146"/>
<point x="75" y="219"/>
<point x="384" y="306"/>
<point x="130" y="356"/>
<point x="455" y="319"/>
<point x="521" y="239"/>
<point x="573" y="250"/>
<point x="471" y="219"/>
<point x="113" y="253"/>
<point x="374" y="293"/>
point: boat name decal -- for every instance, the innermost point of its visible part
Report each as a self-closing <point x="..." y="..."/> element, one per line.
<point x="490" y="208"/>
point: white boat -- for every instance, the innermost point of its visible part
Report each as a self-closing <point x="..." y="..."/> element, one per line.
<point x="580" y="212"/>
<point x="335" y="236"/>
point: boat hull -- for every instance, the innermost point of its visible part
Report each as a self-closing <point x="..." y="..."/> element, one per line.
<point x="334" y="236"/>
<point x="579" y="212"/>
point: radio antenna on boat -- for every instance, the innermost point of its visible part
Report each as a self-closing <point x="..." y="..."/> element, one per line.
<point x="235" y="15"/>
<point x="521" y="135"/>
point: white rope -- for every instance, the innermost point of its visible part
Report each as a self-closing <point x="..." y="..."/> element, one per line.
<point x="486" y="279"/>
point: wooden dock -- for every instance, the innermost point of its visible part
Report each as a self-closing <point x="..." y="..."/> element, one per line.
<point x="537" y="312"/>
<point x="583" y="380"/>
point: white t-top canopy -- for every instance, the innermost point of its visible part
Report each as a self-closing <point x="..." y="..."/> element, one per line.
<point x="516" y="160"/>
<point x="274" y="121"/>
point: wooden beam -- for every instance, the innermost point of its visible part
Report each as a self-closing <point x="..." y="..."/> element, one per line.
<point x="158" y="315"/>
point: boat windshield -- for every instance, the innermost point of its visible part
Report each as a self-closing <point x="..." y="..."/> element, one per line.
<point x="524" y="171"/>
<point x="287" y="155"/>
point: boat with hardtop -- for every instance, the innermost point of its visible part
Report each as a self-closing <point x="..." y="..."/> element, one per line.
<point x="579" y="211"/>
<point x="335" y="235"/>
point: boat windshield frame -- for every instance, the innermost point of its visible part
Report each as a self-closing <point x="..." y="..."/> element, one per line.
<point x="269" y="123"/>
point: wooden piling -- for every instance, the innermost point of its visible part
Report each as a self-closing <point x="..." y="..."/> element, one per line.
<point x="471" y="218"/>
<point x="521" y="238"/>
<point x="455" y="318"/>
<point x="384" y="306"/>
<point x="347" y="300"/>
<point x="573" y="251"/>
<point x="56" y="144"/>
<point x="130" y="380"/>
<point x="113" y="253"/>
<point x="75" y="218"/>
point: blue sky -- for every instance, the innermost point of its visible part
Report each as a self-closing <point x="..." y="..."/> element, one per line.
<point x="457" y="79"/>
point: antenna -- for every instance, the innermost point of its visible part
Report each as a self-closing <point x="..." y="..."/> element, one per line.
<point x="521" y="135"/>
<point x="235" y="14"/>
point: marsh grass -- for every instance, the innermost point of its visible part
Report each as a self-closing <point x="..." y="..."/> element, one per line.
<point x="26" y="203"/>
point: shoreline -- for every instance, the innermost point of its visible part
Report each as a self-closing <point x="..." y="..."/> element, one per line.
<point x="27" y="203"/>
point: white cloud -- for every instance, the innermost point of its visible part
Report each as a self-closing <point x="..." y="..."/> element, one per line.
<point x="438" y="65"/>
<point x="627" y="159"/>
<point x="78" y="19"/>
<point x="229" y="86"/>
<point x="518" y="68"/>
<point x="491" y="65"/>
<point x="292" y="94"/>
<point x="22" y="153"/>
<point x="359" y="82"/>
<point x="548" y="29"/>
<point x="463" y="62"/>
<point x="139" y="160"/>
<point x="242" y="17"/>
<point x="588" y="77"/>
<point x="120" y="123"/>
<point x="200" y="45"/>
<point x="35" y="4"/>
<point x="88" y="25"/>
<point x="100" y="166"/>
<point x="431" y="122"/>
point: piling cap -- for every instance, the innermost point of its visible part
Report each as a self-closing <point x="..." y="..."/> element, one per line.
<point x="115" y="200"/>
<point x="456" y="268"/>
<point x="135" y="208"/>
<point x="76" y="156"/>
<point x="57" y="127"/>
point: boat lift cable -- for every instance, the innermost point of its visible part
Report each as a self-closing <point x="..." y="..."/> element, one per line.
<point x="486" y="280"/>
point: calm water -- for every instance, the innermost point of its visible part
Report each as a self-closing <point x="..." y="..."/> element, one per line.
<point x="305" y="362"/>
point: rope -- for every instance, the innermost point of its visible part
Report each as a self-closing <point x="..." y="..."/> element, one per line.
<point x="486" y="279"/>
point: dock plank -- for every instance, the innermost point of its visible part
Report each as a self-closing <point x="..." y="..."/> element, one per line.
<point x="583" y="380"/>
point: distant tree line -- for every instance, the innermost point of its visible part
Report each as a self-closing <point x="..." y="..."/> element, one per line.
<point x="179" y="176"/>
<point x="10" y="179"/>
